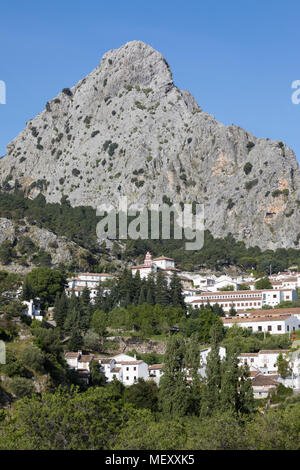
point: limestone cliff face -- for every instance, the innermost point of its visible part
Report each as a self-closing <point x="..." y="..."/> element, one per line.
<point x="126" y="129"/>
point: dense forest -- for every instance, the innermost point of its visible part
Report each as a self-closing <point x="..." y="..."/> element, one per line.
<point x="79" y="225"/>
<point x="215" y="413"/>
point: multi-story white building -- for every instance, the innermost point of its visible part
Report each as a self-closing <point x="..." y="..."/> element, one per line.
<point x="243" y="299"/>
<point x="87" y="280"/>
<point x="263" y="361"/>
<point x="265" y="323"/>
<point x="125" y="368"/>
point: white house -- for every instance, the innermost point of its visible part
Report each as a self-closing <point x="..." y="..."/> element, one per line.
<point x="264" y="360"/>
<point x="33" y="310"/>
<point x="87" y="280"/>
<point x="203" y="359"/>
<point x="263" y="385"/>
<point x="164" y="263"/>
<point x="155" y="372"/>
<point x="125" y="368"/>
<point x="132" y="369"/>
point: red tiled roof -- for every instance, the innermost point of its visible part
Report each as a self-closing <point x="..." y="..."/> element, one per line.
<point x="265" y="380"/>
<point x="254" y="318"/>
<point x="231" y="299"/>
<point x="273" y="351"/>
<point x="129" y="363"/>
<point x="275" y="311"/>
<point x="95" y="274"/>
<point x="248" y="354"/>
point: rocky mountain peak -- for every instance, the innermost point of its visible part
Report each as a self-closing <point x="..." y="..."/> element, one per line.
<point x="126" y="129"/>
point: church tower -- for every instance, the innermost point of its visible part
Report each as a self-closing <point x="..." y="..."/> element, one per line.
<point x="148" y="260"/>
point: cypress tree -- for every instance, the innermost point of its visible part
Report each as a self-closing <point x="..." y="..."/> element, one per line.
<point x="173" y="391"/>
<point x="230" y="383"/>
<point x="212" y="387"/>
<point x="192" y="361"/>
<point x="246" y="401"/>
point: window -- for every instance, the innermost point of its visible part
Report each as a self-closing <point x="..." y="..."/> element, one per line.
<point x="134" y="377"/>
<point x="269" y="328"/>
<point x="279" y="327"/>
<point x="134" y="368"/>
<point x="260" y="328"/>
<point x="127" y="378"/>
<point x="287" y="328"/>
<point x="127" y="368"/>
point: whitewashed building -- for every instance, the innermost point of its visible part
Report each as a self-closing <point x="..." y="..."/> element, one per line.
<point x="87" y="280"/>
<point x="280" y="324"/>
<point x="124" y="368"/>
<point x="243" y="299"/>
<point x="203" y="359"/>
<point x="155" y="372"/>
<point x="33" y="310"/>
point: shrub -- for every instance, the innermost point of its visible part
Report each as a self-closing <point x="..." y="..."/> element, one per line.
<point x="93" y="134"/>
<point x="67" y="91"/>
<point x="250" y="184"/>
<point x="247" y="168"/>
<point x="250" y="145"/>
<point x="75" y="172"/>
<point x="33" y="358"/>
<point x="22" y="387"/>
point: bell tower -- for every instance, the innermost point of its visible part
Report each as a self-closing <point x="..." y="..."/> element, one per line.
<point x="148" y="259"/>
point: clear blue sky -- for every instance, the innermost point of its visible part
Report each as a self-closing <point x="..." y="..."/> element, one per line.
<point x="238" y="58"/>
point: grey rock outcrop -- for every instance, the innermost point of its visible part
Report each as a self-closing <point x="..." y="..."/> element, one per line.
<point x="126" y="129"/>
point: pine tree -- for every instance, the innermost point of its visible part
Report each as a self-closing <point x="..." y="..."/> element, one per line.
<point x="176" y="296"/>
<point x="85" y="297"/>
<point x="162" y="296"/>
<point x="142" y="296"/>
<point x="75" y="342"/>
<point x="60" y="309"/>
<point x="150" y="289"/>
<point x="27" y="291"/>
